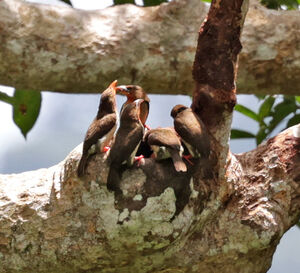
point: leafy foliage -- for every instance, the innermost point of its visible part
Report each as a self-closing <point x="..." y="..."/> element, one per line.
<point x="272" y="112"/>
<point x="26" y="108"/>
<point x="153" y="2"/>
<point x="120" y="2"/>
<point x="281" y="4"/>
<point x="236" y="133"/>
<point x="67" y="2"/>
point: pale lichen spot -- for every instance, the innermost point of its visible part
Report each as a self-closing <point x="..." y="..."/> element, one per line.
<point x="160" y="208"/>
<point x="123" y="215"/>
<point x="194" y="193"/>
<point x="164" y="229"/>
<point x="138" y="197"/>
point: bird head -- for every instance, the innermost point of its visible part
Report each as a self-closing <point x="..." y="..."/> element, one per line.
<point x="177" y="109"/>
<point x="110" y="90"/>
<point x="132" y="92"/>
<point x="113" y="85"/>
<point x="108" y="99"/>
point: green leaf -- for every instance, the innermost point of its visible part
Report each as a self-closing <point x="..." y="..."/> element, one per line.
<point x="235" y="133"/>
<point x="260" y="97"/>
<point x="120" y="2"/>
<point x="297" y="97"/>
<point x="266" y="107"/>
<point x="67" y="2"/>
<point x="247" y="112"/>
<point x="208" y="1"/>
<point x="271" y="4"/>
<point x="6" y="98"/>
<point x="261" y="135"/>
<point x="148" y="3"/>
<point x="294" y="120"/>
<point x="278" y="4"/>
<point x="26" y="109"/>
<point x="281" y="111"/>
<point x="291" y="4"/>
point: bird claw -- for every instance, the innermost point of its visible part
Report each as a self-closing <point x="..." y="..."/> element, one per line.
<point x="139" y="159"/>
<point x="187" y="158"/>
<point x="106" y="149"/>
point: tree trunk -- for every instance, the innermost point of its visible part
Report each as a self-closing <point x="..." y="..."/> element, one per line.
<point x="226" y="214"/>
<point x="67" y="50"/>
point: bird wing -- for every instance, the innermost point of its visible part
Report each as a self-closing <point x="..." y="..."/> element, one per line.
<point x="192" y="130"/>
<point x="126" y="141"/>
<point x="164" y="137"/>
<point x="99" y="128"/>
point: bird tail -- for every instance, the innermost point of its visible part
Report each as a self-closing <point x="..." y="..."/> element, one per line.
<point x="82" y="165"/>
<point x="113" y="178"/>
<point x="178" y="162"/>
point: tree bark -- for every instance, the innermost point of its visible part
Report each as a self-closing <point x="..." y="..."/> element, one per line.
<point x="53" y="222"/>
<point x="67" y="50"/>
<point x="226" y="214"/>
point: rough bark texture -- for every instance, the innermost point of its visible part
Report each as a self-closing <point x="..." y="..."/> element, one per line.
<point x="226" y="214"/>
<point x="67" y="50"/>
<point x="52" y="222"/>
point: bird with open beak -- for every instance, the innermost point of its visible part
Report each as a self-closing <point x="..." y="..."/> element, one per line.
<point x="127" y="140"/>
<point x="103" y="127"/>
<point x="134" y="92"/>
<point x="192" y="131"/>
<point x="165" y="143"/>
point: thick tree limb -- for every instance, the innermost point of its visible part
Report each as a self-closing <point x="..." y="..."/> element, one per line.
<point x="67" y="50"/>
<point x="51" y="222"/>
<point x="228" y="217"/>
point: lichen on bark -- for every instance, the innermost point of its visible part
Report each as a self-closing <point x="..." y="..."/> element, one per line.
<point x="227" y="217"/>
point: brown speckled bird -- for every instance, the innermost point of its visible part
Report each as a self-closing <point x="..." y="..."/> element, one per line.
<point x="165" y="143"/>
<point x="102" y="128"/>
<point x="127" y="140"/>
<point x="134" y="92"/>
<point x="192" y="131"/>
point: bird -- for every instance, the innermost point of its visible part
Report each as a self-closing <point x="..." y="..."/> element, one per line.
<point x="134" y="92"/>
<point x="165" y="143"/>
<point x="126" y="143"/>
<point x="102" y="128"/>
<point x="192" y="131"/>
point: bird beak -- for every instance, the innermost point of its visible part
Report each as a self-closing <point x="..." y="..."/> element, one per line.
<point x="114" y="84"/>
<point x="122" y="89"/>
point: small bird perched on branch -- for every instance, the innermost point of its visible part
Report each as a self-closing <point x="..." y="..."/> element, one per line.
<point x="102" y="128"/>
<point x="192" y="131"/>
<point x="127" y="140"/>
<point x="134" y="92"/>
<point x="165" y="143"/>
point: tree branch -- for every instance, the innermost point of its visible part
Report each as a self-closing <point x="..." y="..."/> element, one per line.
<point x="228" y="217"/>
<point x="67" y="50"/>
<point x="73" y="225"/>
